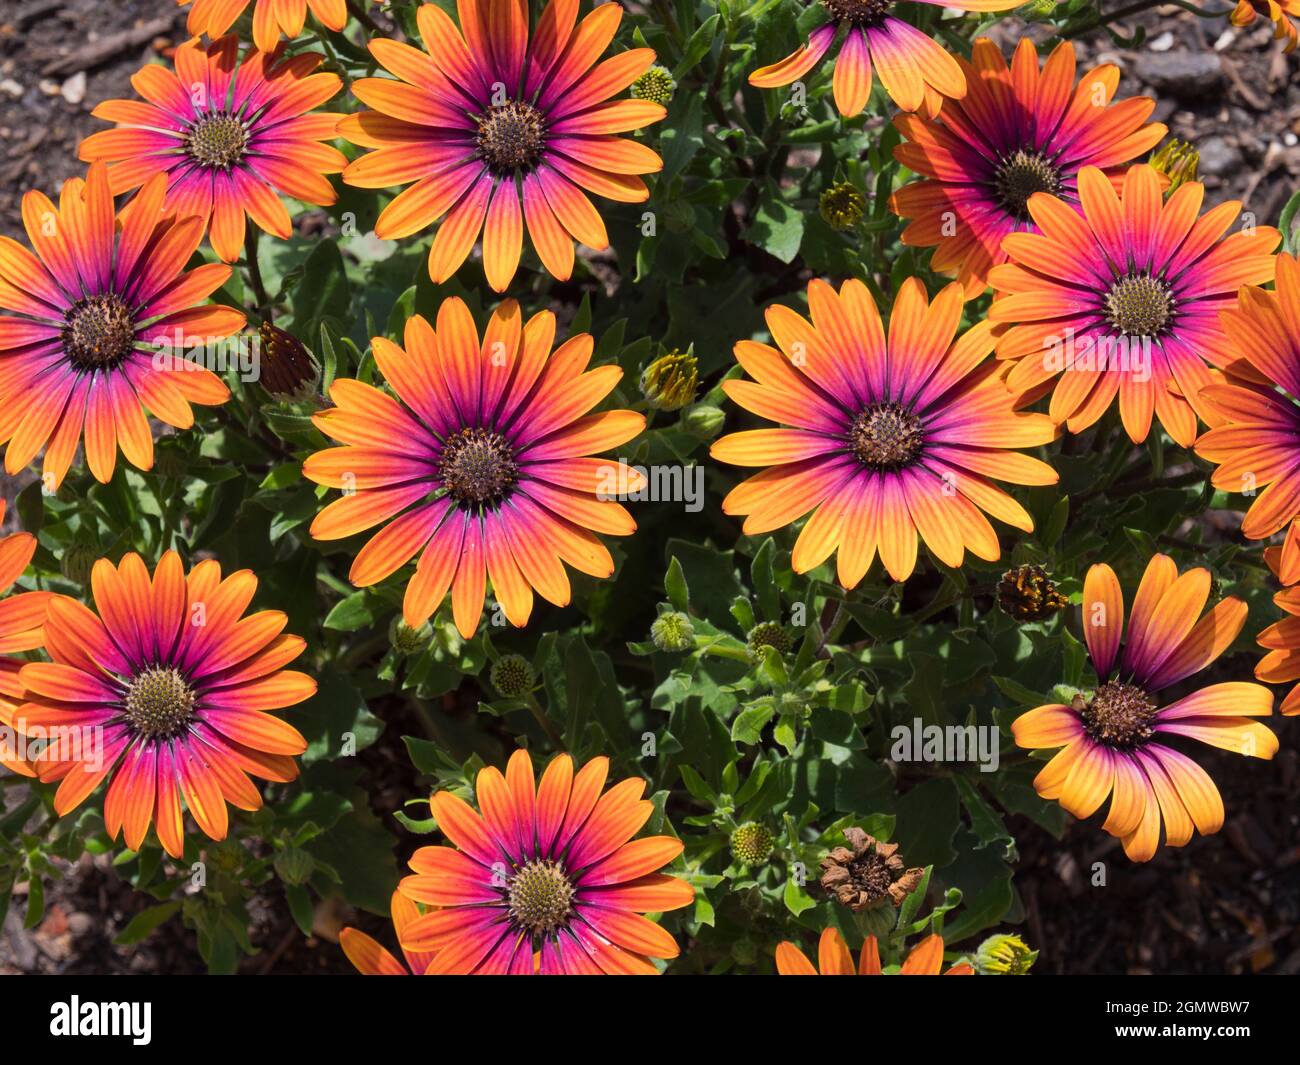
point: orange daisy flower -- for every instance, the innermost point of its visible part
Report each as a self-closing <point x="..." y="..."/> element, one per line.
<point x="21" y="619"/>
<point x="1284" y="13"/>
<point x="834" y="959"/>
<point x="1122" y="295"/>
<point x="1257" y="446"/>
<point x="546" y="866"/>
<point x="232" y="146"/>
<point x="501" y="132"/>
<point x="1282" y="641"/>
<point x="486" y="456"/>
<point x="372" y="959"/>
<point x="165" y="693"/>
<point x="270" y="17"/>
<point x="1113" y="741"/>
<point x="1284" y="559"/>
<point x="105" y="314"/>
<point x="914" y="69"/>
<point x="894" y="438"/>
<point x="1017" y="131"/>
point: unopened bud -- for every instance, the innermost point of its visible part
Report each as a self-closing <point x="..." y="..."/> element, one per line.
<point x="287" y="368"/>
<point x="669" y="383"/>
<point x="842" y="206"/>
<point x="673" y="632"/>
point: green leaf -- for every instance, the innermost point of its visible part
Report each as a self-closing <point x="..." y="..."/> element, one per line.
<point x="748" y="725"/>
<point x="986" y="823"/>
<point x="143" y="923"/>
<point x="350" y="614"/>
<point x="336" y="720"/>
<point x="323" y="292"/>
<point x="761" y="572"/>
<point x="675" y="585"/>
<point x="777" y="228"/>
<point x="796" y="899"/>
<point x="1287" y="224"/>
<point x="300" y="906"/>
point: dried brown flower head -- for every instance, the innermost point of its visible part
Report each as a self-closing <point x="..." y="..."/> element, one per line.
<point x="867" y="873"/>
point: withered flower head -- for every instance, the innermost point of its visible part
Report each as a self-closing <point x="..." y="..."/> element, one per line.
<point x="867" y="873"/>
<point x="1027" y="593"/>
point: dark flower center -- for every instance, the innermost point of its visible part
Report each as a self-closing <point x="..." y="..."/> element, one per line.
<point x="477" y="466"/>
<point x="1139" y="305"/>
<point x="510" y="137"/>
<point x="217" y="141"/>
<point x="871" y="875"/>
<point x="1021" y="174"/>
<point x="859" y="12"/>
<point x="159" y="704"/>
<point x="540" y="897"/>
<point x="98" y="332"/>
<point x="1119" y="715"/>
<point x="886" y="436"/>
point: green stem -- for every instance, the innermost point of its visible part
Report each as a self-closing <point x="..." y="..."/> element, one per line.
<point x="722" y="651"/>
<point x="162" y="489"/>
<point x="839" y="622"/>
<point x="359" y="13"/>
<point x="545" y="722"/>
<point x="670" y="20"/>
<point x="255" y="271"/>
<point x="1102" y="19"/>
<point x="938" y="605"/>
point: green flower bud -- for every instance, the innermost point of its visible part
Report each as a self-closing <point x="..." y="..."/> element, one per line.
<point x="842" y="206"/>
<point x="751" y="843"/>
<point x="77" y="562"/>
<point x="768" y="634"/>
<point x="670" y="381"/>
<point x="406" y="640"/>
<point x="294" y="865"/>
<point x="704" y="421"/>
<point x="512" y="675"/>
<point x="1004" y="955"/>
<point x="673" y="632"/>
<point x="1178" y="161"/>
<point x="1035" y="10"/>
<point x="655" y="85"/>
